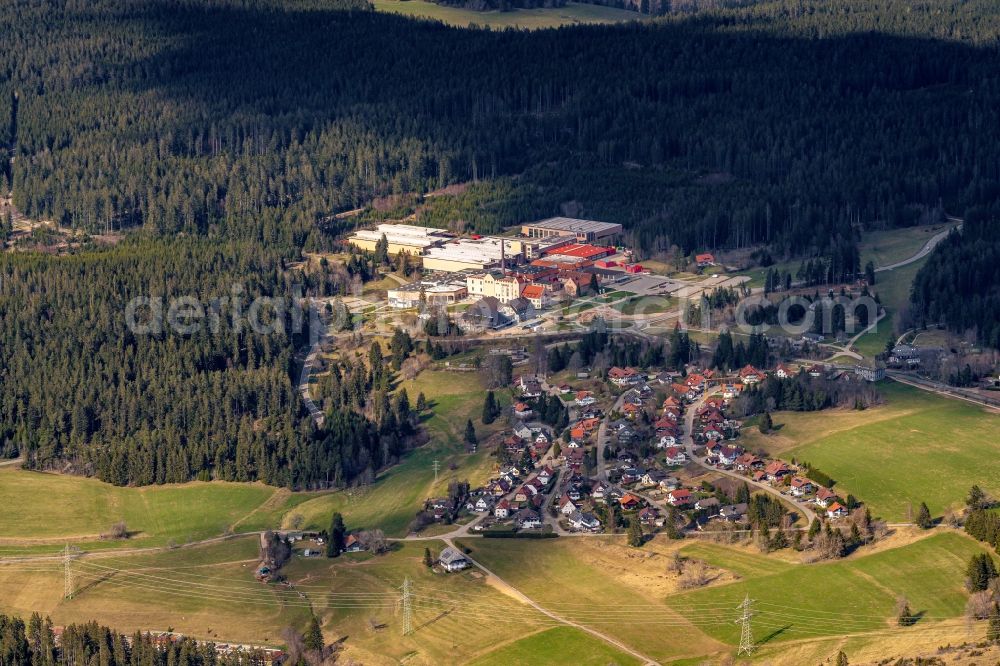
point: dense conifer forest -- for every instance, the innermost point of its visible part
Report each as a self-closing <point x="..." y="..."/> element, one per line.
<point x="35" y="643"/>
<point x="224" y="135"/>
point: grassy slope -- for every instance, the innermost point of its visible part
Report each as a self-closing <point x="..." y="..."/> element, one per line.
<point x="559" y="645"/>
<point x="396" y="496"/>
<point x="572" y="13"/>
<point x="849" y="596"/>
<point x="44" y="507"/>
<point x="580" y="578"/>
<point x="210" y="592"/>
<point x="889" y="247"/>
<point x="917" y="447"/>
<point x="893" y="289"/>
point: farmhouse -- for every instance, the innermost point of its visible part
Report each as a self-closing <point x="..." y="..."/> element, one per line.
<point x="704" y="260"/>
<point x="452" y="560"/>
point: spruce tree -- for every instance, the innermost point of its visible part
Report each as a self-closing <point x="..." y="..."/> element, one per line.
<point x="470" y="432"/>
<point x="993" y="628"/>
<point x="924" y="520"/>
<point x="313" y="638"/>
<point x="337" y="536"/>
<point x="490" y="409"/>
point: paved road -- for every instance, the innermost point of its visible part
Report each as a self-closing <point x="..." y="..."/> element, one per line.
<point x="809" y="514"/>
<point x="558" y="618"/>
<point x="926" y="249"/>
<point x="943" y="390"/>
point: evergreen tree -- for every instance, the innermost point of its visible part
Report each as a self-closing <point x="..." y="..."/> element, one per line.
<point x="336" y="537"/>
<point x="313" y="638"/>
<point x="428" y="559"/>
<point x="634" y="532"/>
<point x="470" y="433"/>
<point x="993" y="627"/>
<point x="490" y="409"/>
<point x="924" y="519"/>
<point x="766" y="425"/>
<point x="842" y="659"/>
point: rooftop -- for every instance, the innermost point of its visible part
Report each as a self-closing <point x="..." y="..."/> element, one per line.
<point x="574" y="225"/>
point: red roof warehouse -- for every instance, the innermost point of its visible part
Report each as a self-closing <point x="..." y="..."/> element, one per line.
<point x="590" y="252"/>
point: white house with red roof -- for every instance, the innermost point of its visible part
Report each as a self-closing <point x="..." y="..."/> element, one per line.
<point x="750" y="375"/>
<point x="679" y="497"/>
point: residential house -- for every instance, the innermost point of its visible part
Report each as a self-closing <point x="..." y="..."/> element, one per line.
<point x="679" y="497"/>
<point x="801" y="486"/>
<point x="567" y="506"/>
<point x="704" y="260"/>
<point x="748" y="461"/>
<point x="624" y="376"/>
<point x="453" y="560"/>
<point x="710" y="504"/>
<point x="675" y="455"/>
<point x="836" y="510"/>
<point x="545" y="475"/>
<point x="485" y="314"/>
<point x="776" y="470"/>
<point x="523" y="431"/>
<point x="668" y="441"/>
<point x="537" y="295"/>
<point x="816" y="371"/>
<point x="652" y="477"/>
<point x="585" y="398"/>
<point x="522" y="410"/>
<point x="483" y="504"/>
<point x="783" y="372"/>
<point x="502" y="509"/>
<point x="732" y="513"/>
<point x="728" y="454"/>
<point x="528" y="519"/>
<point x="750" y="375"/>
<point x="825" y="497"/>
<point x="629" y="502"/>
<point x="650" y="517"/>
<point x="584" y="521"/>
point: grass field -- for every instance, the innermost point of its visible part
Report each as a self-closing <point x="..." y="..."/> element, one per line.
<point x="43" y="508"/>
<point x="855" y="595"/>
<point x="209" y="592"/>
<point x="885" y="248"/>
<point x="391" y="502"/>
<point x="645" y="305"/>
<point x="596" y="581"/>
<point x="893" y="289"/>
<point x="559" y="645"/>
<point x="549" y="17"/>
<point x="917" y="447"/>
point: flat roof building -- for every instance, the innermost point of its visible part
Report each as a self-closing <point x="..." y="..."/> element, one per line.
<point x="431" y="292"/>
<point x="470" y="254"/>
<point x="400" y="238"/>
<point x="585" y="231"/>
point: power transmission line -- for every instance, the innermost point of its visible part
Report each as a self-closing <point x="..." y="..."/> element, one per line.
<point x="746" y="636"/>
<point x="437" y="466"/>
<point x="407" y="607"/>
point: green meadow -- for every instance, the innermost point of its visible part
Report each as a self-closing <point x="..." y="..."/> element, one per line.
<point x="919" y="447"/>
<point x="534" y="18"/>
<point x="851" y="596"/>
